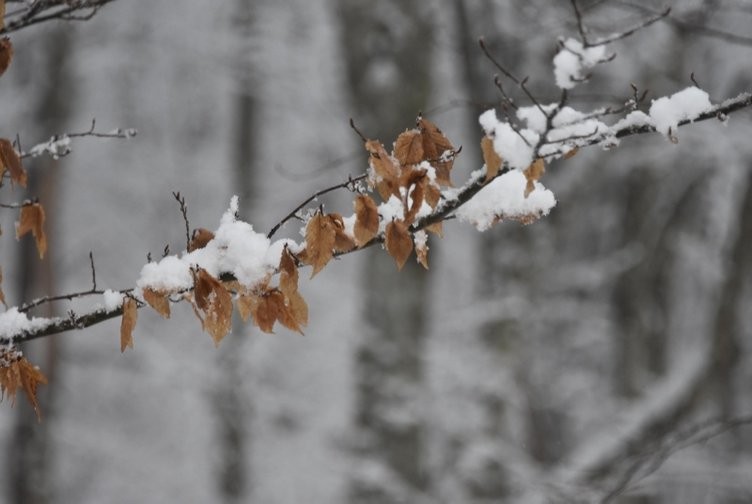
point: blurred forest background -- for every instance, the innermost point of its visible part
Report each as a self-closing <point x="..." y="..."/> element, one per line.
<point x="590" y="357"/>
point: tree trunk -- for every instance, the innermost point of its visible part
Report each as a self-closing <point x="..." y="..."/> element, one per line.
<point x="387" y="48"/>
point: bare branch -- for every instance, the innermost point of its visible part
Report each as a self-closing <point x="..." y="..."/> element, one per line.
<point x="184" y="211"/>
<point x="498" y="65"/>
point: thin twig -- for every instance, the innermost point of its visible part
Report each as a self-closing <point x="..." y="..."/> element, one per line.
<point x="350" y="185"/>
<point x="93" y="272"/>
<point x="631" y="31"/>
<point x="580" y="25"/>
<point x="498" y="65"/>
<point x="184" y="211"/>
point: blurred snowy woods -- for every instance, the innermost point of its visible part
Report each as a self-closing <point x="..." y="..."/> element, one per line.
<point x="594" y="356"/>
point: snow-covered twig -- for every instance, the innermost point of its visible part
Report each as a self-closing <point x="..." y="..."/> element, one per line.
<point x="39" y="11"/>
<point x="60" y="145"/>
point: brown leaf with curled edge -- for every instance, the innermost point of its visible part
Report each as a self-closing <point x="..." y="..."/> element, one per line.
<point x="262" y="307"/>
<point x="421" y="248"/>
<point x="398" y="242"/>
<point x="6" y="54"/>
<point x="366" y="219"/>
<point x="437" y="149"/>
<point x="246" y="304"/>
<point x="288" y="272"/>
<point x="408" y="148"/>
<point x="298" y="308"/>
<point x="17" y="372"/>
<point x="533" y="173"/>
<point x="200" y="238"/>
<point x="343" y="242"/>
<point x="159" y="300"/>
<point x="215" y="302"/>
<point x="128" y="323"/>
<point x="436" y="228"/>
<point x="384" y="173"/>
<point x="321" y="235"/>
<point x="10" y="161"/>
<point x="491" y="158"/>
<point x="31" y="219"/>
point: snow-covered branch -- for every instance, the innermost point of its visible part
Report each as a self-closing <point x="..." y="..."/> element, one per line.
<point x="22" y="14"/>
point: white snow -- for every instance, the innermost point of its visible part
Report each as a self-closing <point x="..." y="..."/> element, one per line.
<point x="573" y="60"/>
<point x="55" y="147"/>
<point x="112" y="300"/>
<point x="504" y="198"/>
<point x="13" y="322"/>
<point x="686" y="104"/>
<point x="514" y="147"/>
<point x="236" y="249"/>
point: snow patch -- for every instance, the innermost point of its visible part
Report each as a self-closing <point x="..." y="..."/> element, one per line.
<point x="573" y="61"/>
<point x="686" y="104"/>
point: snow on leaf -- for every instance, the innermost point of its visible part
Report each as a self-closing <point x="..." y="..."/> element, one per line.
<point x="366" y="219"/>
<point x="408" y="148"/>
<point x="11" y="162"/>
<point x="6" y="53"/>
<point x="128" y="323"/>
<point x="342" y="241"/>
<point x="398" y="243"/>
<point x="384" y="170"/>
<point x="159" y="300"/>
<point x="31" y="219"/>
<point x="490" y="158"/>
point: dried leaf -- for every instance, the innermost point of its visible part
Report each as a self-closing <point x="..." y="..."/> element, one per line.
<point x="491" y="158"/>
<point x="128" y="323"/>
<point x="31" y="220"/>
<point x="343" y="242"/>
<point x="433" y="194"/>
<point x="10" y="161"/>
<point x="266" y="310"/>
<point x="17" y="372"/>
<point x="199" y="239"/>
<point x="298" y="308"/>
<point x="366" y="219"/>
<point x="408" y="149"/>
<point x="6" y="53"/>
<point x="533" y="173"/>
<point x="398" y="242"/>
<point x="321" y="235"/>
<point x="215" y="301"/>
<point x="421" y="248"/>
<point x="159" y="300"/>
<point x="384" y="172"/>
<point x="438" y="150"/>
<point x="436" y="228"/>
<point x="417" y="196"/>
<point x="246" y="304"/>
<point x="571" y="153"/>
<point x="288" y="273"/>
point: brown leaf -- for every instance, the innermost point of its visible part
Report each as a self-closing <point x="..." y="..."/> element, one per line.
<point x="408" y="149"/>
<point x="398" y="242"/>
<point x="571" y="153"/>
<point x="17" y="372"/>
<point x="384" y="173"/>
<point x="433" y="194"/>
<point x="6" y="54"/>
<point x="159" y="300"/>
<point x="417" y="196"/>
<point x="31" y="220"/>
<point x="10" y="161"/>
<point x="343" y="242"/>
<point x="288" y="273"/>
<point x="321" y="235"/>
<point x="366" y="219"/>
<point x="199" y="239"/>
<point x="491" y="158"/>
<point x="265" y="309"/>
<point x="435" y="143"/>
<point x="247" y="305"/>
<point x="128" y="323"/>
<point x="436" y="228"/>
<point x="438" y="150"/>
<point x="533" y="173"/>
<point x="298" y="308"/>
<point x="215" y="302"/>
